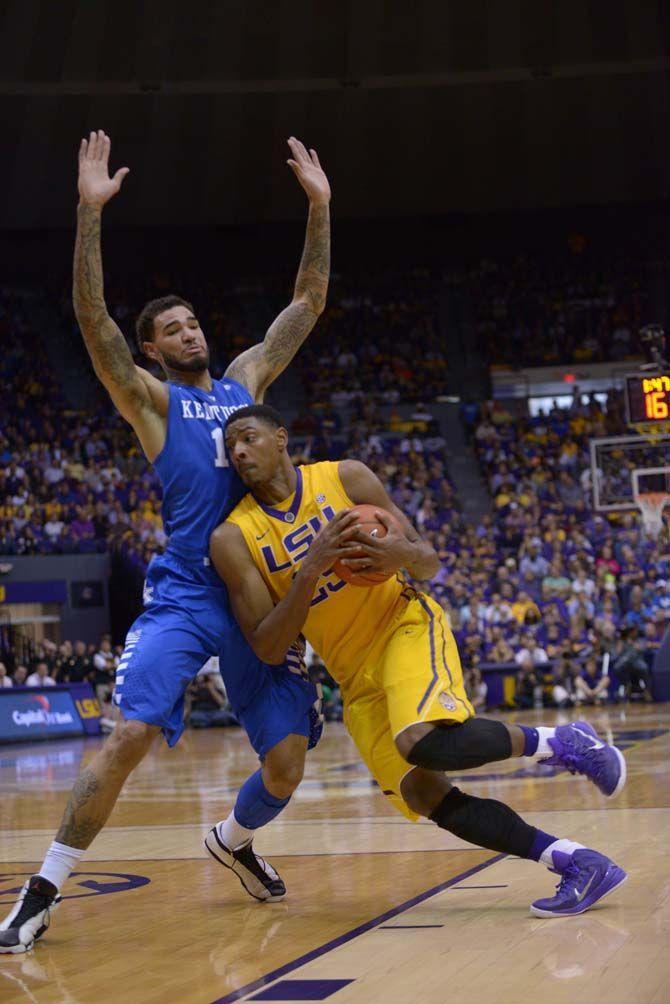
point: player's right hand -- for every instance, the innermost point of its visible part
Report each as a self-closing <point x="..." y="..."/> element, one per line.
<point x="332" y="542"/>
<point x="95" y="185"/>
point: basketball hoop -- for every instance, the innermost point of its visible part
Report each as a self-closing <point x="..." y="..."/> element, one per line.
<point x="652" y="431"/>
<point x="651" y="505"/>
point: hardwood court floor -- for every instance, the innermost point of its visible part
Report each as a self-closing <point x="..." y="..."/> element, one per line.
<point x="378" y="909"/>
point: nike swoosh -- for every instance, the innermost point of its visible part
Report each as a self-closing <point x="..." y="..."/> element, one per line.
<point x="580" y="895"/>
<point x="263" y="535"/>
<point x="597" y="744"/>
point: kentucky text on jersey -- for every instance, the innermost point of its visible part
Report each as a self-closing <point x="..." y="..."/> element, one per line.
<point x="210" y="412"/>
<point x="200" y="487"/>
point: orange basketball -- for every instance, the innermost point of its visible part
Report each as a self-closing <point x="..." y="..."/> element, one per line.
<point x="368" y="523"/>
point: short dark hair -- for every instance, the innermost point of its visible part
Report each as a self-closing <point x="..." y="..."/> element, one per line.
<point x="144" y="325"/>
<point x="263" y="412"/>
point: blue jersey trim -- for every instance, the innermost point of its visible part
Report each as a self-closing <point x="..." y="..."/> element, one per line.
<point x="227" y="379"/>
<point x="167" y="428"/>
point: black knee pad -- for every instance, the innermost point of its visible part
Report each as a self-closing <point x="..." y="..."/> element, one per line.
<point x="484" y="822"/>
<point x="460" y="747"/>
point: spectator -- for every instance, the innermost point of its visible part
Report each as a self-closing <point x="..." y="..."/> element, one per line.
<point x="76" y="667"/>
<point x="652" y="638"/>
<point x="555" y="583"/>
<point x="332" y="699"/>
<point x="5" y="678"/>
<point x="207" y="704"/>
<point x="564" y="680"/>
<point x="554" y="639"/>
<point x="498" y="612"/>
<point x="104" y="669"/>
<point x="40" y="678"/>
<point x="476" y="687"/>
<point x="533" y="563"/>
<point x="593" y="682"/>
<point x="531" y="651"/>
<point x="582" y="585"/>
<point x="20" y="676"/>
<point x="528" y="685"/>
<point x="630" y="667"/>
<point x="522" y="605"/>
<point x="500" y="650"/>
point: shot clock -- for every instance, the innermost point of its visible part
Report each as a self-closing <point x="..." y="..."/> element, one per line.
<point x="648" y="398"/>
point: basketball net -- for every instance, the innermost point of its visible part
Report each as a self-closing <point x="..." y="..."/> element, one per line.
<point x="651" y="505"/>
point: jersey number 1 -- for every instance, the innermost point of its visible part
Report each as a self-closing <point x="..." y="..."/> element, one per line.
<point x="221" y="458"/>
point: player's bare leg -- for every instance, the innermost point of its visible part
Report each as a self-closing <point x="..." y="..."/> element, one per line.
<point x="91" y="801"/>
<point x="261" y="798"/>
<point x="586" y="875"/>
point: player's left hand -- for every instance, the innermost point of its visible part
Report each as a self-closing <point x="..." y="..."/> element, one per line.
<point x="309" y="172"/>
<point x="381" y="554"/>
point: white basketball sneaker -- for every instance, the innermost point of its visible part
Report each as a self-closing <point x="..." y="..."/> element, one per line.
<point x="257" y="876"/>
<point x="30" y="916"/>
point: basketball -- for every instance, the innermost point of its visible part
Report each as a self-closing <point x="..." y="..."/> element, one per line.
<point x="368" y="523"/>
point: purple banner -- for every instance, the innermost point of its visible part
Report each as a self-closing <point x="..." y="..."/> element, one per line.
<point x="51" y="591"/>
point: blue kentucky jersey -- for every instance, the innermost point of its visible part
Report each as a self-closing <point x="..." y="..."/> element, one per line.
<point x="200" y="487"/>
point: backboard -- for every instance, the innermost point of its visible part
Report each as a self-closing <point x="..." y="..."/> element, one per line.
<point x="614" y="463"/>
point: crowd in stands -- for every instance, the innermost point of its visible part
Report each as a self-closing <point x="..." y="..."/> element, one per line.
<point x="69" y="482"/>
<point x="543" y="579"/>
<point x="68" y="662"/>
<point x="206" y="703"/>
<point x="378" y="339"/>
<point x="532" y="314"/>
<point x="75" y="482"/>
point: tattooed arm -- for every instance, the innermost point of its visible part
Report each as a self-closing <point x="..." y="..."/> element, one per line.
<point x="140" y="398"/>
<point x="261" y="364"/>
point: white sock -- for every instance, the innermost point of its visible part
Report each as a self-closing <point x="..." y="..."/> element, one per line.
<point x="566" y="846"/>
<point x="232" y="834"/>
<point x="59" y="862"/>
<point x="543" y="747"/>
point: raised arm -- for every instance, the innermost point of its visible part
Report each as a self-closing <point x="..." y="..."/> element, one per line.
<point x="140" y="398"/>
<point x="394" y="551"/>
<point x="261" y="364"/>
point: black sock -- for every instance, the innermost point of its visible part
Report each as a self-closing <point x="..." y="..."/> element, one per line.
<point x="486" y="823"/>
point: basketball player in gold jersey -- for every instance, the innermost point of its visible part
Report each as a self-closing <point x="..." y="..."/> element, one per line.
<point x="391" y="651"/>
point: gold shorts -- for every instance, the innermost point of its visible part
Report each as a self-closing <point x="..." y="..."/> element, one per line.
<point x="417" y="678"/>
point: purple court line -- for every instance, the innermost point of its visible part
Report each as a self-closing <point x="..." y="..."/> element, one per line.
<point x="459" y="887"/>
<point x="408" y="927"/>
<point x="342" y="939"/>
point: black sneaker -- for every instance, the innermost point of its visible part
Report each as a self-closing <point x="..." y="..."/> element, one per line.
<point x="30" y="916"/>
<point x="257" y="876"/>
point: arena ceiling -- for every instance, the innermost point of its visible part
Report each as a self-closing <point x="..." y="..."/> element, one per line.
<point x="421" y="107"/>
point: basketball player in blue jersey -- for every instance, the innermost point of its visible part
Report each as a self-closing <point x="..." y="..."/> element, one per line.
<point x="187" y="619"/>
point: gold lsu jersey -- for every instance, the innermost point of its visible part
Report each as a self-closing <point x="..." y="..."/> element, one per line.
<point x="346" y="625"/>
<point x="388" y="646"/>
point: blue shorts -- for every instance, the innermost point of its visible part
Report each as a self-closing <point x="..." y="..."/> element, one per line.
<point x="187" y="620"/>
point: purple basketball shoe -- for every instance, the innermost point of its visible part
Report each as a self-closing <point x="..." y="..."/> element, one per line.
<point x="586" y="878"/>
<point x="578" y="748"/>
